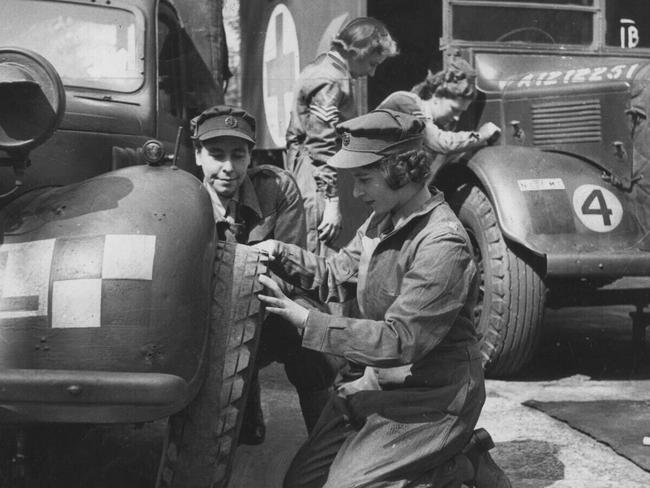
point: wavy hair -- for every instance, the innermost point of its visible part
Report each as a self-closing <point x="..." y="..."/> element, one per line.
<point x="364" y="36"/>
<point x="457" y="80"/>
<point x="402" y="168"/>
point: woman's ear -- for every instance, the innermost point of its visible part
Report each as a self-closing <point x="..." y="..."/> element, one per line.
<point x="198" y="157"/>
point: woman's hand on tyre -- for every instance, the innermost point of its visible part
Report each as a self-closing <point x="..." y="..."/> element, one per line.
<point x="278" y="303"/>
<point x="269" y="248"/>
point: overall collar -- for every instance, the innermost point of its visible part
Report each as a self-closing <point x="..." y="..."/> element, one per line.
<point x="245" y="197"/>
<point x="387" y="224"/>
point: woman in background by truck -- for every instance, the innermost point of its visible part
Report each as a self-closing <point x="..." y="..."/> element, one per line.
<point x="322" y="98"/>
<point x="439" y="100"/>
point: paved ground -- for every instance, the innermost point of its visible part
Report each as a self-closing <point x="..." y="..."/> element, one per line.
<point x="585" y="356"/>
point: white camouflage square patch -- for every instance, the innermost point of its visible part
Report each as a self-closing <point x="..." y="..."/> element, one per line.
<point x="76" y="303"/>
<point x="128" y="257"/>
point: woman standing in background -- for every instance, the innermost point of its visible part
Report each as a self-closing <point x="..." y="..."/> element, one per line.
<point x="323" y="97"/>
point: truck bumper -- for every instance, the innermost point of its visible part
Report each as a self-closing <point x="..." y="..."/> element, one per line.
<point x="589" y="265"/>
<point x="37" y="395"/>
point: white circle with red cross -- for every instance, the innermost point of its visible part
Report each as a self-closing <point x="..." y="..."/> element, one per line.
<point x="597" y="208"/>
<point x="280" y="69"/>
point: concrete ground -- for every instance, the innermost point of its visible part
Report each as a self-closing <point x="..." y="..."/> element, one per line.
<point x="585" y="355"/>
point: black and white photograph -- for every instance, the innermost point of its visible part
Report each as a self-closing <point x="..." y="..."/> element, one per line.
<point x="324" y="243"/>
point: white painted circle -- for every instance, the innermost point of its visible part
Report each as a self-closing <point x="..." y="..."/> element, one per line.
<point x="280" y="69"/>
<point x="597" y="208"/>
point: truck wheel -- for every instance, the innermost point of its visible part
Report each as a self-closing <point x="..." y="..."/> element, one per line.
<point x="201" y="439"/>
<point x="510" y="310"/>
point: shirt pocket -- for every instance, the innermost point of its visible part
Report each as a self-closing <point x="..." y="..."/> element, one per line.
<point x="378" y="298"/>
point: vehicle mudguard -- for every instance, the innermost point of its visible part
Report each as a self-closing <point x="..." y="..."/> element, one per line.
<point x="105" y="290"/>
<point x="561" y="207"/>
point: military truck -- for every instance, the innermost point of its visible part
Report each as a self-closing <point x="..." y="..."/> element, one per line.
<point x="558" y="209"/>
<point x="117" y="305"/>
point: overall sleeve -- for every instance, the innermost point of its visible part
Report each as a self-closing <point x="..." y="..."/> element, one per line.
<point x="321" y="139"/>
<point x="334" y="277"/>
<point x="433" y="291"/>
<point x="438" y="140"/>
<point x="449" y="142"/>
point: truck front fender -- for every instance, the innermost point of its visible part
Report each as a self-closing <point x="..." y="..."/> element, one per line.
<point x="112" y="274"/>
<point x="560" y="207"/>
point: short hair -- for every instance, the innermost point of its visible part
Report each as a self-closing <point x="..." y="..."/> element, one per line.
<point x="457" y="80"/>
<point x="364" y="36"/>
<point x="402" y="168"/>
<point x="198" y="145"/>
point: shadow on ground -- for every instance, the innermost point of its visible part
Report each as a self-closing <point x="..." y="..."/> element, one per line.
<point x="596" y="343"/>
<point x="534" y="464"/>
<point x="89" y="456"/>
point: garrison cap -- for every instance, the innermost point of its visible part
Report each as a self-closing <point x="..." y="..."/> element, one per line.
<point x="223" y="120"/>
<point x="375" y="135"/>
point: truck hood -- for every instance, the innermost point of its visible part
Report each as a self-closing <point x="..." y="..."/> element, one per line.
<point x="505" y="73"/>
<point x="577" y="105"/>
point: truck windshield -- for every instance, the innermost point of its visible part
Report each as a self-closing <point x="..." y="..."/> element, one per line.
<point x="90" y="46"/>
<point x="524" y="21"/>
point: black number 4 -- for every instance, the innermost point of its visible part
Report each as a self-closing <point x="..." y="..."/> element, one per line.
<point x="601" y="208"/>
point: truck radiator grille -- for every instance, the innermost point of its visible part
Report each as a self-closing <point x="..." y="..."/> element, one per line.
<point x="566" y="122"/>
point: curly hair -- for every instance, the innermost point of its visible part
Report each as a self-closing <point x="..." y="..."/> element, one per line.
<point x="399" y="169"/>
<point x="457" y="80"/>
<point x="364" y="36"/>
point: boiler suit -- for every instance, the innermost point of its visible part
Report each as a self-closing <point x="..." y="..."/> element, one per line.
<point x="416" y="286"/>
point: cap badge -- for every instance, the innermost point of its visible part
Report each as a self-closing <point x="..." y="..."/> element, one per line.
<point x="345" y="138"/>
<point x="230" y="122"/>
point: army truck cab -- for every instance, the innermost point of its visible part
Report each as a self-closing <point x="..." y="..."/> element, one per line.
<point x="117" y="305"/>
<point x="129" y="71"/>
<point x="559" y="207"/>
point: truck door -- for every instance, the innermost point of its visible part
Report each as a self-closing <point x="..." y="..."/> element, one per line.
<point x="185" y="84"/>
<point x="170" y="74"/>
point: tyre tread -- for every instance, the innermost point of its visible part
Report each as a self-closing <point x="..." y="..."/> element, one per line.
<point x="512" y="319"/>
<point x="201" y="440"/>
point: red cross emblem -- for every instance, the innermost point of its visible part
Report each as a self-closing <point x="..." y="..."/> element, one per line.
<point x="280" y="70"/>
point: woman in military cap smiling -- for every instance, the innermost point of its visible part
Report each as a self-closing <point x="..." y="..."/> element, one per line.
<point x="416" y="405"/>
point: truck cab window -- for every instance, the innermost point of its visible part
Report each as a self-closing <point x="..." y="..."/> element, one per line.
<point x="567" y="22"/>
<point x="628" y="23"/>
<point x="170" y="93"/>
<point x="92" y="47"/>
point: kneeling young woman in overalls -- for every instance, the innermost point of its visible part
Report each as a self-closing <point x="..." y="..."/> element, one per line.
<point x="408" y="420"/>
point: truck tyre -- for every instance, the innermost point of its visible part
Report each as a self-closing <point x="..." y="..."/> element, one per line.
<point x="510" y="310"/>
<point x="201" y="440"/>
